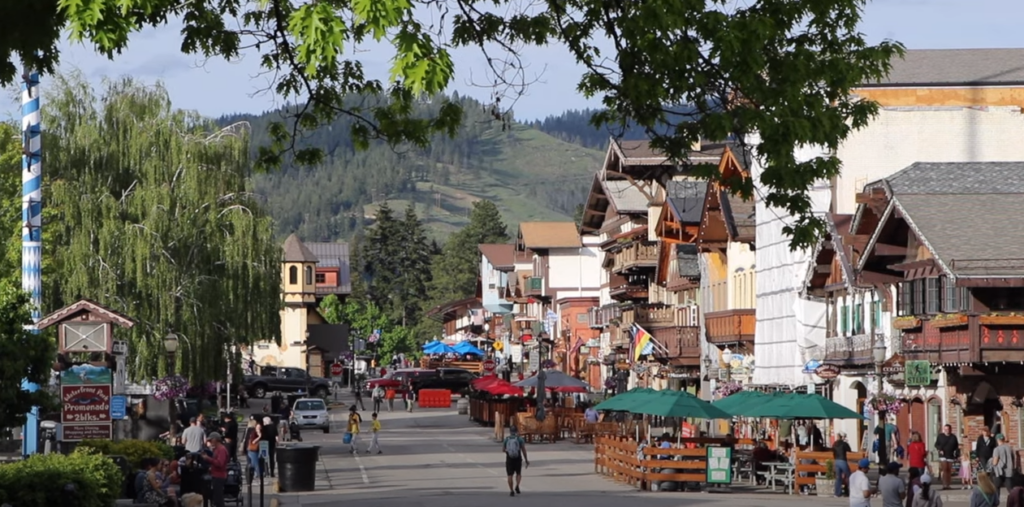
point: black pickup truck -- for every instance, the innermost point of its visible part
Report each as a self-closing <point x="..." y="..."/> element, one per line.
<point x="285" y="380"/>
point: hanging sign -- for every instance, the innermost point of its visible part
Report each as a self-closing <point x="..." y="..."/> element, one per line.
<point x="827" y="371"/>
<point x="811" y="365"/>
<point x="918" y="373"/>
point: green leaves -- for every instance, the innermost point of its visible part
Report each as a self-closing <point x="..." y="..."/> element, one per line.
<point x="319" y="38"/>
<point x="23" y="356"/>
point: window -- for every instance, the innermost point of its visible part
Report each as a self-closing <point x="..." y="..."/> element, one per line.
<point x="293" y="275"/>
<point x="965" y="299"/>
<point x="844" y="320"/>
<point x="954" y="299"/>
<point x="906" y="298"/>
<point x="858" y="318"/>
<point x="309" y="275"/>
<point x="321" y="278"/>
<point x="933" y="295"/>
<point x="876" y="313"/>
<point x="918" y="297"/>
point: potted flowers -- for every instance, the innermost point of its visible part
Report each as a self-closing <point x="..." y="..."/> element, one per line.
<point x="825" y="484"/>
<point x="170" y="387"/>
<point x="728" y="389"/>
<point x="906" y="322"/>
<point x="884" y="402"/>
<point x="944" y="320"/>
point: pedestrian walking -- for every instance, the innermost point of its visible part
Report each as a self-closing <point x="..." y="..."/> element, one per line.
<point x="389" y="395"/>
<point x="268" y="434"/>
<point x="985" y="494"/>
<point x="378" y="398"/>
<point x="1003" y="463"/>
<point x="374" y="442"/>
<point x="354" y="419"/>
<point x="514" y="448"/>
<point x="194" y="436"/>
<point x="891" y="487"/>
<point x="840" y="465"/>
<point x="984" y="447"/>
<point x="948" y="448"/>
<point x="358" y="390"/>
<point x="218" y="460"/>
<point x="253" y="436"/>
<point x="407" y="395"/>
<point x="917" y="452"/>
<point x="860" y="486"/>
<point x="926" y="497"/>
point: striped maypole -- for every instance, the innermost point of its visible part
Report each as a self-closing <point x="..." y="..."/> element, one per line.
<point x="31" y="228"/>
<point x="32" y="194"/>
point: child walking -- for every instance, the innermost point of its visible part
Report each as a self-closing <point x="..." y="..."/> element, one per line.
<point x="373" y="437"/>
<point x="353" y="427"/>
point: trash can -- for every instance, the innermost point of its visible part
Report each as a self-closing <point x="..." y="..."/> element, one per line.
<point x="296" y="467"/>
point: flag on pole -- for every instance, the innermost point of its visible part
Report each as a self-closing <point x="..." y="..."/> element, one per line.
<point x="643" y="344"/>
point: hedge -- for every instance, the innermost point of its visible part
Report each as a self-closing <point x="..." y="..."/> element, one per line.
<point x="39" y="480"/>
<point x="134" y="450"/>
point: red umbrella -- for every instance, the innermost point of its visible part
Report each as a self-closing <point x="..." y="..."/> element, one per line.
<point x="504" y="389"/>
<point x="570" y="389"/>
<point x="482" y="381"/>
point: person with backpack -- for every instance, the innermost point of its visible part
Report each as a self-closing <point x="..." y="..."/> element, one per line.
<point x="514" y="448"/>
<point x="378" y="398"/>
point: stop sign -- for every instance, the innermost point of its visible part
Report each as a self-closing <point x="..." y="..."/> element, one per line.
<point x="335" y="369"/>
<point x="489" y="366"/>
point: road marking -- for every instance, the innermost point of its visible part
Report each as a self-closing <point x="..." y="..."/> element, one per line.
<point x="362" y="470"/>
<point x="467" y="458"/>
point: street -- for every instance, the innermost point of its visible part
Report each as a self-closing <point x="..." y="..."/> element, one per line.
<point x="436" y="458"/>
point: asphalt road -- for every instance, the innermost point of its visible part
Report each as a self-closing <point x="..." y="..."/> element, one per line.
<point x="436" y="458"/>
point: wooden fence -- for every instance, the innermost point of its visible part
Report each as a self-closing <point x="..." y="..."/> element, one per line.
<point x="818" y="467"/>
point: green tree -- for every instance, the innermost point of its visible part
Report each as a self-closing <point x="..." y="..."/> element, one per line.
<point x="10" y="203"/>
<point x="577" y="215"/>
<point x="23" y="356"/>
<point x="779" y="69"/>
<point x="414" y="263"/>
<point x="379" y="254"/>
<point x="155" y="219"/>
<point x="457" y="268"/>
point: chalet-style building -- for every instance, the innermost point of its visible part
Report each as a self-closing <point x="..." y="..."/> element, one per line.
<point x="497" y="263"/>
<point x="956" y="105"/>
<point x="944" y="241"/>
<point x="306" y="278"/>
<point x="725" y="239"/>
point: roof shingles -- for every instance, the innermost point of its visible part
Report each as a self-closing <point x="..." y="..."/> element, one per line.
<point x="686" y="197"/>
<point x="545" y="235"/>
<point x="956" y="67"/>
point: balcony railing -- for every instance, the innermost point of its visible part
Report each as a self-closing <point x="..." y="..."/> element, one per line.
<point x="650" y="317"/>
<point x="635" y="256"/>
<point x="730" y="326"/>
<point x="736" y="293"/>
<point x="850" y="350"/>
<point x="603" y="316"/>
<point x="682" y="345"/>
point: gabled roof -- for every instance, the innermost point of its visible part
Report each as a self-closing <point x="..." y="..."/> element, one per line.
<point x="84" y="305"/>
<point x="296" y="251"/>
<point x="545" y="235"/>
<point x="953" y="67"/>
<point x="334" y="255"/>
<point x="500" y="255"/>
<point x="686" y="199"/>
<point x="966" y="214"/>
<point x="739" y="217"/>
<point x="625" y="197"/>
<point x="837" y="243"/>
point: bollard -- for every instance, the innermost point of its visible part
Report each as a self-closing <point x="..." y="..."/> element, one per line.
<point x="263" y="464"/>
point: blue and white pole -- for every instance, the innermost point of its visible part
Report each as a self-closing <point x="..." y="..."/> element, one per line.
<point x="31" y="226"/>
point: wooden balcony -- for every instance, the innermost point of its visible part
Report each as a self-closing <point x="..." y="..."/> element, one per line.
<point x="634" y="257"/>
<point x="975" y="339"/>
<point x="849" y="350"/>
<point x="603" y="316"/>
<point x="650" y="317"/>
<point x="682" y="344"/>
<point x="730" y="326"/>
<point x="629" y="292"/>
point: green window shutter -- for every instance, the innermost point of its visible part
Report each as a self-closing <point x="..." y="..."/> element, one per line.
<point x="877" y="313"/>
<point x="844" y="320"/>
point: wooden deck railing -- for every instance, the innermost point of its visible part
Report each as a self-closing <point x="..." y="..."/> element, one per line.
<point x="818" y="467"/>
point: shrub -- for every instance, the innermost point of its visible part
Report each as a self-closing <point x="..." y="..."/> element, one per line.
<point x="133" y="450"/>
<point x="39" y="480"/>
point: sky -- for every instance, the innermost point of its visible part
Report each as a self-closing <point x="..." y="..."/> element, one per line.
<point x="216" y="87"/>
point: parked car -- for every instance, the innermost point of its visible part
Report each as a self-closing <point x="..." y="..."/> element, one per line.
<point x="311" y="413"/>
<point x="455" y="380"/>
<point x="286" y="380"/>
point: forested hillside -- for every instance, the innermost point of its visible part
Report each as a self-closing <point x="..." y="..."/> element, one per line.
<point x="528" y="174"/>
<point x="574" y="126"/>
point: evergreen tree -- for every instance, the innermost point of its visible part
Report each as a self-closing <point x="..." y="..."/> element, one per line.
<point x="379" y="255"/>
<point x="155" y="219"/>
<point x="414" y="264"/>
<point x="456" y="269"/>
<point x="577" y="216"/>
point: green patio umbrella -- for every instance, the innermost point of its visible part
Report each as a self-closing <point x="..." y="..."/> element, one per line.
<point x="802" y="406"/>
<point x="621" y="402"/>
<point x="676" y="404"/>
<point x="741" y="401"/>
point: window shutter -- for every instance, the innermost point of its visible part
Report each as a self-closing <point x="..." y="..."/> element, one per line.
<point x="844" y="320"/>
<point x="877" y="314"/>
<point x="858" y="318"/>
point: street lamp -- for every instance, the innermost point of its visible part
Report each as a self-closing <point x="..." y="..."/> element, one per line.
<point x="171" y="346"/>
<point x="306" y="344"/>
<point x="879" y="353"/>
<point x="727" y="359"/>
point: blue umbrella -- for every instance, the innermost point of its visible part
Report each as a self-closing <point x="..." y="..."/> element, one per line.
<point x="438" y="348"/>
<point x="467" y="348"/>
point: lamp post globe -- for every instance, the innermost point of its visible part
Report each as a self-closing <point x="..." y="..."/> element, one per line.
<point x="171" y="343"/>
<point x="727" y="356"/>
<point x="879" y="352"/>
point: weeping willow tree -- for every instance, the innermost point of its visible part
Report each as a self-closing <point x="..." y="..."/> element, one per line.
<point x="154" y="218"/>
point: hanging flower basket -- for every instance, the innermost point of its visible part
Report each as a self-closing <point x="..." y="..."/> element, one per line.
<point x="944" y="320"/>
<point x="1004" y="319"/>
<point x="908" y="322"/>
<point x="885" y="403"/>
<point x="728" y="389"/>
<point x="170" y="387"/>
<point x="548" y="364"/>
<point x="203" y="390"/>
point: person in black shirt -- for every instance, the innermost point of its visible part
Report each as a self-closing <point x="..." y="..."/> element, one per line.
<point x="840" y="465"/>
<point x="984" y="448"/>
<point x="229" y="428"/>
<point x="948" y="448"/>
<point x="269" y="435"/>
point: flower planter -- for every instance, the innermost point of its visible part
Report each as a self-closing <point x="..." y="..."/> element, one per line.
<point x="944" y="321"/>
<point x="825" y="487"/>
<point x="1002" y="320"/>
<point x="906" y="323"/>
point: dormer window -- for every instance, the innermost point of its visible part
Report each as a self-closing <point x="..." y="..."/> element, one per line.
<point x="293" y="275"/>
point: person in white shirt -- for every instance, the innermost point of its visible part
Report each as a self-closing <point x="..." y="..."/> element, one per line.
<point x="860" y="486"/>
